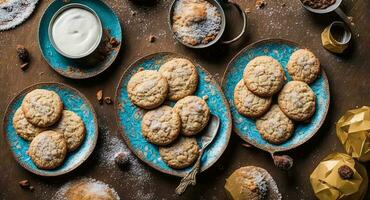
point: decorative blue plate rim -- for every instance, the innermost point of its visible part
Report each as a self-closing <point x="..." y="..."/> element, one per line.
<point x="228" y="121"/>
<point x="270" y="147"/>
<point x="91" y="143"/>
<point x="76" y="72"/>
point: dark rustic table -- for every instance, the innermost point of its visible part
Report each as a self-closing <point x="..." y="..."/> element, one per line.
<point x="348" y="76"/>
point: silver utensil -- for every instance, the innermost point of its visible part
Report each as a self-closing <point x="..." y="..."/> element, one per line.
<point x="207" y="138"/>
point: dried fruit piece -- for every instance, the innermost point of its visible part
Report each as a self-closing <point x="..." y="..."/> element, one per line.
<point x="99" y="96"/>
<point x="345" y="172"/>
<point x="22" y="53"/>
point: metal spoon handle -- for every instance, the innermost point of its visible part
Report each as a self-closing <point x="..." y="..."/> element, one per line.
<point x="191" y="177"/>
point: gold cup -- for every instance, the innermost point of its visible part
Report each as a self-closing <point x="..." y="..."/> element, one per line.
<point x="336" y="37"/>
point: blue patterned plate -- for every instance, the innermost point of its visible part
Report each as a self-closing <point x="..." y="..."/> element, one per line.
<point x="245" y="127"/>
<point x="73" y="100"/>
<point x="75" y="68"/>
<point x="129" y="116"/>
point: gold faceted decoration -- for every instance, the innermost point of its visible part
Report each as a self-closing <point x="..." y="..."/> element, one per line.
<point x="353" y="131"/>
<point x="339" y="177"/>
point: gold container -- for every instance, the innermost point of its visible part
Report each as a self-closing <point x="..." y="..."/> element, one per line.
<point x="336" y="37"/>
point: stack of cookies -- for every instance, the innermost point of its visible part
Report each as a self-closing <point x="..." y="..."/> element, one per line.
<point x="172" y="129"/>
<point x="51" y="130"/>
<point x="296" y="102"/>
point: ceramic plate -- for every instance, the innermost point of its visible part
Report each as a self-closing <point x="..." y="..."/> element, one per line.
<point x="73" y="100"/>
<point x="245" y="127"/>
<point x="129" y="116"/>
<point x="74" y="68"/>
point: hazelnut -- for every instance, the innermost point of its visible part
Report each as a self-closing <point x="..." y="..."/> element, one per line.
<point x="283" y="162"/>
<point x="22" y="53"/>
<point x="121" y="159"/>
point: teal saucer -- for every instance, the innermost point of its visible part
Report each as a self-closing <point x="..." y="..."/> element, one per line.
<point x="129" y="116"/>
<point x="281" y="50"/>
<point x="73" y="68"/>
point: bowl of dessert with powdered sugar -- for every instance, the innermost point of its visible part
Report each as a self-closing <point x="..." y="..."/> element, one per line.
<point x="200" y="23"/>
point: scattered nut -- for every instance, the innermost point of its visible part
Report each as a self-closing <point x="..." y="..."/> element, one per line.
<point x="205" y="97"/>
<point x="247" y="145"/>
<point x="283" y="162"/>
<point x="108" y="100"/>
<point x="25" y="184"/>
<point x="140" y="69"/>
<point x="99" y="96"/>
<point x="260" y="4"/>
<point x="152" y="38"/>
<point x="113" y="42"/>
<point x="345" y="172"/>
<point x="23" y="54"/>
<point x="121" y="159"/>
<point x="24" y="66"/>
<point x="248" y="10"/>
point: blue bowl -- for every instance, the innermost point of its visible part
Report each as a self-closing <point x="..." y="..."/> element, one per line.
<point x="73" y="100"/>
<point x="77" y="68"/>
<point x="281" y="50"/>
<point x="129" y="116"/>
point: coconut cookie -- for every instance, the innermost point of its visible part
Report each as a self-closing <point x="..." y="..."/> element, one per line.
<point x="181" y="76"/>
<point x="249" y="104"/>
<point x="42" y="107"/>
<point x="275" y="127"/>
<point x="23" y="128"/>
<point x="303" y="66"/>
<point x="297" y="101"/>
<point x="264" y="76"/>
<point x="251" y="183"/>
<point x="147" y="89"/>
<point x="194" y="113"/>
<point x="72" y="128"/>
<point x="180" y="154"/>
<point x="161" y="126"/>
<point x="48" y="150"/>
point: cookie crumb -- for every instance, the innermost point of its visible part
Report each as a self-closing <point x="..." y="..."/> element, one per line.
<point x="24" y="66"/>
<point x="152" y="38"/>
<point x="283" y="4"/>
<point x="108" y="100"/>
<point x="260" y="4"/>
<point x="99" y="96"/>
<point x="133" y="13"/>
<point x="23" y="54"/>
<point x="113" y="42"/>
<point x="247" y="10"/>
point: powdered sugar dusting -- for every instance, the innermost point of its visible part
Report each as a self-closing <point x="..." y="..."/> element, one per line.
<point x="96" y="188"/>
<point x="14" y="12"/>
<point x="134" y="176"/>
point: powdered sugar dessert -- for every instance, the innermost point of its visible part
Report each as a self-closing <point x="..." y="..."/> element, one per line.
<point x="196" y="21"/>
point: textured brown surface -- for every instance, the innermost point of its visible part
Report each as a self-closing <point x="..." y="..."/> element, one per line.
<point x="348" y="76"/>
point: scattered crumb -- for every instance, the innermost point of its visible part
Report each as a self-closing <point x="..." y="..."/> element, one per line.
<point x="260" y="4"/>
<point x="24" y="66"/>
<point x="283" y="4"/>
<point x="99" y="96"/>
<point x="205" y="97"/>
<point x="247" y="10"/>
<point x="152" y="38"/>
<point x="108" y="100"/>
